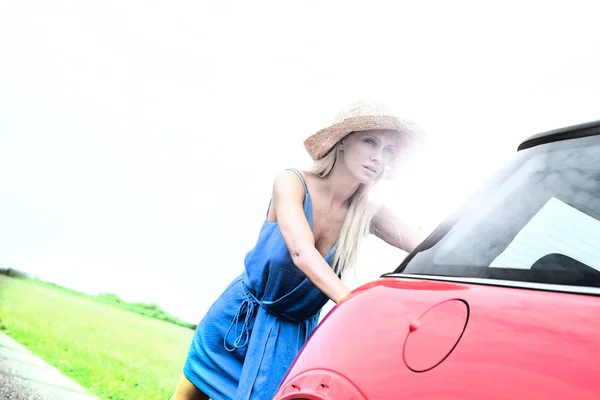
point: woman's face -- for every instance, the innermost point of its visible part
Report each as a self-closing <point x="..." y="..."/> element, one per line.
<point x="366" y="154"/>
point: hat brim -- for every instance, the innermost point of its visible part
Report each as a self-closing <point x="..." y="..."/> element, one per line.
<point x="320" y="143"/>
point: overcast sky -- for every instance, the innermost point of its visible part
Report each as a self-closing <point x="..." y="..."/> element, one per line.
<point x="139" y="139"/>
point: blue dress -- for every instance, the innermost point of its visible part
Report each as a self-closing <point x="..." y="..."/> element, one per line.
<point x="249" y="337"/>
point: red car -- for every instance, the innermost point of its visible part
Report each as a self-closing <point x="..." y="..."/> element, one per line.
<point x="501" y="301"/>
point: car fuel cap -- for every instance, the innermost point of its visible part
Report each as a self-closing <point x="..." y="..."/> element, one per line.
<point x="432" y="337"/>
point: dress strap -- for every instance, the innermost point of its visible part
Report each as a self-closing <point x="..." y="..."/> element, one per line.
<point x="301" y="178"/>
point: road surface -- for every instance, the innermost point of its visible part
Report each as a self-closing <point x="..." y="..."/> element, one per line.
<point x="24" y="376"/>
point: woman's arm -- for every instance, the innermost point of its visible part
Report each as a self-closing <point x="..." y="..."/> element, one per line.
<point x="288" y="196"/>
<point x="389" y="228"/>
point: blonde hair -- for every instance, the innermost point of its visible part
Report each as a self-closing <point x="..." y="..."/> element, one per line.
<point x="358" y="219"/>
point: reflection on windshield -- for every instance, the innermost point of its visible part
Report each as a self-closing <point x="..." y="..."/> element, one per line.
<point x="556" y="228"/>
<point x="546" y="202"/>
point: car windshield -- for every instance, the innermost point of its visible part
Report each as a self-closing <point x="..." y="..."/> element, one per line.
<point x="537" y="220"/>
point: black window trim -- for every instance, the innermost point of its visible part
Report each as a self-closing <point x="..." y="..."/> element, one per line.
<point x="556" y="135"/>
<point x="546" y="287"/>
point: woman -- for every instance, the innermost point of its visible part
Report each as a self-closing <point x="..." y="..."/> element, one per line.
<point x="252" y="333"/>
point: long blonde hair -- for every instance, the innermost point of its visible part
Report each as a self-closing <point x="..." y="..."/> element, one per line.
<point x="358" y="219"/>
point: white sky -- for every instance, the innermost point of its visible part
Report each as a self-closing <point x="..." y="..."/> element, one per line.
<point x="139" y="139"/>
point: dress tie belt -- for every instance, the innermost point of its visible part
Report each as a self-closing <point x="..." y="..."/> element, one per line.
<point x="241" y="338"/>
<point x="249" y="307"/>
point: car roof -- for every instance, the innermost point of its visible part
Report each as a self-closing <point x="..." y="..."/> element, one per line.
<point x="570" y="132"/>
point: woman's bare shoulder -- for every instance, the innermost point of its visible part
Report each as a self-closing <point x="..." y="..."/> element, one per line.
<point x="288" y="186"/>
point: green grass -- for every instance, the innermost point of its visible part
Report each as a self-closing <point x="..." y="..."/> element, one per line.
<point x="150" y="310"/>
<point x="116" y="354"/>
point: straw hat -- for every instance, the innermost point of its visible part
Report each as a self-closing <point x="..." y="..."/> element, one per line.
<point x="362" y="116"/>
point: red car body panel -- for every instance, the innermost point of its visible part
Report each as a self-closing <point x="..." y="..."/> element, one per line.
<point x="487" y="342"/>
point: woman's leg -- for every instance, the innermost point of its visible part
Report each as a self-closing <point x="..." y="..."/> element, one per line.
<point x="187" y="391"/>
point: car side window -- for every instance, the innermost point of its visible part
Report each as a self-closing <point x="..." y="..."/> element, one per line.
<point x="541" y="211"/>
